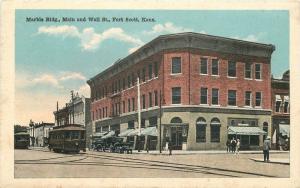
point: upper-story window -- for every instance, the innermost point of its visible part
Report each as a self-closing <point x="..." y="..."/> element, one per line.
<point x="248" y="70"/>
<point x="123" y="104"/>
<point x="176" y="65"/>
<point x="150" y="99"/>
<point x="176" y="95"/>
<point x="144" y="74"/>
<point x="155" y="98"/>
<point x="232" y="97"/>
<point x="248" y="96"/>
<point x="119" y="85"/>
<point x="128" y="105"/>
<point x="258" y="71"/>
<point x="232" y="69"/>
<point x="155" y="69"/>
<point x="132" y="79"/>
<point x="215" y="96"/>
<point x="150" y="70"/>
<point x="258" y="99"/>
<point x="203" y="66"/>
<point x="128" y="81"/>
<point x="133" y="104"/>
<point x="143" y="101"/>
<point x="203" y="93"/>
<point x="124" y="84"/>
<point x="215" y="67"/>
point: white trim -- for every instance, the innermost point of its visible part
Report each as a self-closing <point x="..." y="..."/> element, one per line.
<point x="230" y="77"/>
<point x="260" y="65"/>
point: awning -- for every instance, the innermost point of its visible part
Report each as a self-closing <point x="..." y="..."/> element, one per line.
<point x="245" y="130"/>
<point x="149" y="131"/>
<point x="99" y="134"/>
<point x="284" y="129"/>
<point x="125" y="133"/>
<point x="135" y="132"/>
<point x="109" y="134"/>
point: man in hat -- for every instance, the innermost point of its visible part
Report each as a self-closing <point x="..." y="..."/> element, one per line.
<point x="266" y="148"/>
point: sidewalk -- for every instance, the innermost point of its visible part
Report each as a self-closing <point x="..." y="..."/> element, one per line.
<point x="285" y="161"/>
<point x="182" y="152"/>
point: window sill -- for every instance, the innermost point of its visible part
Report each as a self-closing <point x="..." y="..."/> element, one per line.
<point x="258" y="80"/>
<point x="248" y="78"/>
<point x="176" y="74"/>
<point x="215" y="75"/>
<point x="232" y="77"/>
<point x="216" y="105"/>
<point x="202" y="74"/>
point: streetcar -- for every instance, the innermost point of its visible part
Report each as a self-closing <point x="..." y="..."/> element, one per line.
<point x="67" y="138"/>
<point x="22" y="140"/>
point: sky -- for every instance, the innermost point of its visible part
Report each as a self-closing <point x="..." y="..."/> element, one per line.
<point x="53" y="58"/>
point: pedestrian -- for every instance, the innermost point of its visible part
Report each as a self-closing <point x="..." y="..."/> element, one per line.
<point x="233" y="145"/>
<point x="228" y="145"/>
<point x="238" y="144"/>
<point x="266" y="148"/>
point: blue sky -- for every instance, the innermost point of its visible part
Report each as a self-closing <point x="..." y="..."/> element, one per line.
<point x="54" y="58"/>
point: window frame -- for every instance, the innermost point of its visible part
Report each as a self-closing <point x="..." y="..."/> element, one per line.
<point x="201" y="66"/>
<point x="250" y="99"/>
<point x="260" y="99"/>
<point x="212" y="66"/>
<point x="260" y="71"/>
<point x="175" y="73"/>
<point x="212" y="96"/>
<point x="228" y="69"/>
<point x="172" y="96"/>
<point x="235" y="101"/>
<point x="206" y="90"/>
<point x="246" y="70"/>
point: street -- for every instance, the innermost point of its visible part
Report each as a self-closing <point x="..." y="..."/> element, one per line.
<point x="40" y="163"/>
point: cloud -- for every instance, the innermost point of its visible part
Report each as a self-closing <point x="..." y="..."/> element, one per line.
<point x="47" y="79"/>
<point x="252" y="37"/>
<point x="167" y="27"/>
<point x="72" y="76"/>
<point x="90" y="40"/>
<point x="84" y="90"/>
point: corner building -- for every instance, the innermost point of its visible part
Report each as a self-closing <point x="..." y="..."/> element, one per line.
<point x="210" y="89"/>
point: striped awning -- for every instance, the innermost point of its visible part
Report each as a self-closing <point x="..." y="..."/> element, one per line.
<point x="243" y="130"/>
<point x="125" y="133"/>
<point x="149" y="131"/>
<point x="135" y="132"/>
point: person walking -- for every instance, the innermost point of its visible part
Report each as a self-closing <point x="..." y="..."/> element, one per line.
<point x="228" y="145"/>
<point x="266" y="148"/>
<point x="233" y="145"/>
<point x="238" y="144"/>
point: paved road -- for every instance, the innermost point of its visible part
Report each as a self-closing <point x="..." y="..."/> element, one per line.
<point x="37" y="163"/>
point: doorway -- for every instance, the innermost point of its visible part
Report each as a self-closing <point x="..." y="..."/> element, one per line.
<point x="176" y="137"/>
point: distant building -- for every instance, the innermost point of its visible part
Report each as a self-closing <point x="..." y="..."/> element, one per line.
<point x="76" y="111"/>
<point x="281" y="109"/>
<point x="211" y="89"/>
<point x="39" y="133"/>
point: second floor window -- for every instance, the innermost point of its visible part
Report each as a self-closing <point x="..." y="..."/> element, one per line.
<point x="150" y="99"/>
<point x="258" y="71"/>
<point x="155" y="98"/>
<point x="144" y="74"/>
<point x="203" y="96"/>
<point x="248" y="98"/>
<point x="215" y="67"/>
<point x="203" y="66"/>
<point x="258" y="99"/>
<point x="176" y="95"/>
<point x="176" y="65"/>
<point x="248" y="72"/>
<point x="232" y="97"/>
<point x="215" y="96"/>
<point x="232" y="69"/>
<point x="128" y="105"/>
<point x="150" y="71"/>
<point x="156" y="69"/>
<point x="143" y="101"/>
<point x="133" y="104"/>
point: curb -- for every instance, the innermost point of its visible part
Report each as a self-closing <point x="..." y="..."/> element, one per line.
<point x="274" y="162"/>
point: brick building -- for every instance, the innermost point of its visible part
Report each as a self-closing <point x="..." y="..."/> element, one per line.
<point x="211" y="88"/>
<point x="281" y="109"/>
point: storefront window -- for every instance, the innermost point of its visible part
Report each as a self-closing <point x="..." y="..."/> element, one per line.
<point x="215" y="130"/>
<point x="201" y="130"/>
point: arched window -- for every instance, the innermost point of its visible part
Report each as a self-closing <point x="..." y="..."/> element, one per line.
<point x="201" y="130"/>
<point x="215" y="130"/>
<point x="176" y="120"/>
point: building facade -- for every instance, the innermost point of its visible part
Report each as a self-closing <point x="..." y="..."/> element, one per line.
<point x="76" y="111"/>
<point x="39" y="133"/>
<point x="193" y="87"/>
<point x="281" y="110"/>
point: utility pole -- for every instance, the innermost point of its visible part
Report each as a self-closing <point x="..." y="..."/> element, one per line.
<point x="139" y="111"/>
<point x="160" y="121"/>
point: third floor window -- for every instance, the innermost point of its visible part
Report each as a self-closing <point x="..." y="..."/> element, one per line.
<point x="248" y="71"/>
<point x="258" y="71"/>
<point x="215" y="67"/>
<point x="176" y="65"/>
<point x="232" y="69"/>
<point x="203" y="66"/>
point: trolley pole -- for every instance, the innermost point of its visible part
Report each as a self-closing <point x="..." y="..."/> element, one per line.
<point x="72" y="97"/>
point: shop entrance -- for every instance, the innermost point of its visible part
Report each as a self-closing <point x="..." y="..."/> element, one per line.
<point x="176" y="137"/>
